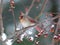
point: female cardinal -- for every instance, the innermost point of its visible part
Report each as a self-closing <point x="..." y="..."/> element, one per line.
<point x="26" y="21"/>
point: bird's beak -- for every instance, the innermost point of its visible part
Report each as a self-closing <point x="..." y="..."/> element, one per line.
<point x="21" y="17"/>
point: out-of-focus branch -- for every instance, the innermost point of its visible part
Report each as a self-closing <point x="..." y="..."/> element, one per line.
<point x="1" y="21"/>
<point x="56" y="17"/>
<point x="56" y="32"/>
<point x="12" y="10"/>
<point x="58" y="26"/>
<point x="30" y="7"/>
<point x="42" y="9"/>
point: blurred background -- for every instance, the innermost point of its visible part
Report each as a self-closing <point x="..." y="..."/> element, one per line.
<point x="20" y="5"/>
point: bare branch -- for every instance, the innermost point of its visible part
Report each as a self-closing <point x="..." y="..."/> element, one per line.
<point x="42" y="9"/>
<point x="30" y="7"/>
<point x="58" y="26"/>
<point x="12" y="10"/>
<point x="56" y="17"/>
<point x="56" y="31"/>
<point x="1" y="21"/>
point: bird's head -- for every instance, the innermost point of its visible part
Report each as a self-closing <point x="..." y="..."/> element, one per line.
<point x="21" y="15"/>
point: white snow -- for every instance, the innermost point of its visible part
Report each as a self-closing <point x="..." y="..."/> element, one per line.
<point x="17" y="28"/>
<point x="29" y="32"/>
<point x="4" y="36"/>
<point x="9" y="42"/>
<point x="31" y="38"/>
<point x="52" y="26"/>
<point x="55" y="36"/>
<point x="22" y="36"/>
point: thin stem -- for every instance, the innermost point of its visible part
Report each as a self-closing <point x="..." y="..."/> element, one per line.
<point x="55" y="17"/>
<point x="1" y="21"/>
<point x="14" y="19"/>
<point x="30" y="7"/>
<point x="56" y="31"/>
<point x="42" y="9"/>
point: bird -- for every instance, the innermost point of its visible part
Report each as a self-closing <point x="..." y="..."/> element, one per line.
<point x="26" y="21"/>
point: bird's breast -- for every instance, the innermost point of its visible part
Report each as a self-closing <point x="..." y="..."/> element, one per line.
<point x="25" y="22"/>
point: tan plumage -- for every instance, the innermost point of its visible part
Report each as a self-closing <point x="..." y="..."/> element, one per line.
<point x="25" y="21"/>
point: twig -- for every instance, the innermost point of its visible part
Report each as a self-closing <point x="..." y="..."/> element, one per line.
<point x="30" y="7"/>
<point x="42" y="9"/>
<point x="56" y="31"/>
<point x="56" y="17"/>
<point x="12" y="10"/>
<point x="1" y="21"/>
